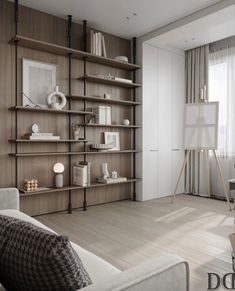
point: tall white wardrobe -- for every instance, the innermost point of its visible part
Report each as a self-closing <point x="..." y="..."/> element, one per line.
<point x="161" y="114"/>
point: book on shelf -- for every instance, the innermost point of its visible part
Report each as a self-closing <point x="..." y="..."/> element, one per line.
<point x="96" y="43"/>
<point x="102" y="114"/>
<point x="88" y="164"/>
<point x="80" y="175"/>
<point x="111" y="180"/>
<point x="45" y="137"/>
<point x="42" y="134"/>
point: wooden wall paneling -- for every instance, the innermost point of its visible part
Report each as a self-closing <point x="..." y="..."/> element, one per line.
<point x="6" y="94"/>
<point x="49" y="28"/>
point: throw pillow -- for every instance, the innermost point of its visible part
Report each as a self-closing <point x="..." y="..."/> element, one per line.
<point x="36" y="259"/>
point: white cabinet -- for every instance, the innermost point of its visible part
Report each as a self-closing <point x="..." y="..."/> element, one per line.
<point x="162" y="117"/>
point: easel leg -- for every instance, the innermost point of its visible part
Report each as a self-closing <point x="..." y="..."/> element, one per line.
<point x="207" y="173"/>
<point x="181" y="172"/>
<point x="222" y="179"/>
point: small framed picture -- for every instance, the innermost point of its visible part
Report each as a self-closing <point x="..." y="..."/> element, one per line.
<point x="112" y="138"/>
<point x="39" y="80"/>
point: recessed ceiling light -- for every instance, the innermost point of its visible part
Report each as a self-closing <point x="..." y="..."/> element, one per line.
<point x="134" y="14"/>
<point x="128" y="18"/>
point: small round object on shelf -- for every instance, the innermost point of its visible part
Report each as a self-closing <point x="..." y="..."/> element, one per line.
<point x="123" y="59"/>
<point x="101" y="146"/>
<point x="126" y="122"/>
<point x="56" y="105"/>
<point x="58" y="168"/>
<point x="35" y="128"/>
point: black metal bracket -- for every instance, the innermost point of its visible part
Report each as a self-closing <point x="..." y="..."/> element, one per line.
<point x="70" y="206"/>
<point x="84" y="35"/>
<point x="69" y="31"/>
<point x="84" y="46"/>
<point x="16" y="12"/>
<point x="134" y="120"/>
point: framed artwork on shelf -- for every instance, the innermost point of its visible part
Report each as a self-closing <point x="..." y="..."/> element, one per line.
<point x="112" y="138"/>
<point x="39" y="80"/>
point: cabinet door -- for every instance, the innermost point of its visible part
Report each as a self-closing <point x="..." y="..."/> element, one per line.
<point x="151" y="174"/>
<point x="164" y="96"/>
<point x="177" y="159"/>
<point x="150" y="103"/>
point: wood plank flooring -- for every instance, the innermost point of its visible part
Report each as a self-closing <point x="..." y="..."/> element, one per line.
<point x="128" y="233"/>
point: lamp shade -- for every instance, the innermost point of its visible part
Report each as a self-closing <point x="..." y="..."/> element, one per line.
<point x="58" y="168"/>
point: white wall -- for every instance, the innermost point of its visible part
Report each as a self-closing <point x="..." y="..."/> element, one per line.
<point x="161" y="116"/>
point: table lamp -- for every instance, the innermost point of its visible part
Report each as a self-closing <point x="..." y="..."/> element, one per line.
<point x="58" y="169"/>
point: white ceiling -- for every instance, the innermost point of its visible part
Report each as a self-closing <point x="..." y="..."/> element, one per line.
<point x="210" y="28"/>
<point x="110" y="15"/>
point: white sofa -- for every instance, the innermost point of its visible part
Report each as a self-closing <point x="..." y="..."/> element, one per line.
<point x="166" y="273"/>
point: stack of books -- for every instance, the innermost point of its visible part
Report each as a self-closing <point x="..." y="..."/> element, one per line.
<point x="82" y="174"/>
<point x="41" y="136"/>
<point x="102" y="114"/>
<point x="97" y="44"/>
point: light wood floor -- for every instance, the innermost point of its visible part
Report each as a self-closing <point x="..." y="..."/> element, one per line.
<point x="128" y="233"/>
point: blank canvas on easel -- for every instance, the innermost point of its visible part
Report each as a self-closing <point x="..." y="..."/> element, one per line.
<point x="201" y="126"/>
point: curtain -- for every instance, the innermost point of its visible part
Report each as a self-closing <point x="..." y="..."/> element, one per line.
<point x="222" y="89"/>
<point x="196" y="77"/>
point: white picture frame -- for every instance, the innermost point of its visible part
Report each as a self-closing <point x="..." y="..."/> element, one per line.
<point x="201" y="126"/>
<point x="113" y="138"/>
<point x="38" y="81"/>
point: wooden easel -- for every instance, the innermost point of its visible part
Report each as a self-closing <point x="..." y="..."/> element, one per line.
<point x="219" y="171"/>
<point x="201" y="121"/>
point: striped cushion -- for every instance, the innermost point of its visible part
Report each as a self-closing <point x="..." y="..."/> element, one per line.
<point x="35" y="259"/>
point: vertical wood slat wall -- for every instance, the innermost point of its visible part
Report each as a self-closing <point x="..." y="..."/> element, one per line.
<point x="48" y="28"/>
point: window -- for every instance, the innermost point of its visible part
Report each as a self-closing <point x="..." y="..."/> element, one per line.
<point x="222" y="89"/>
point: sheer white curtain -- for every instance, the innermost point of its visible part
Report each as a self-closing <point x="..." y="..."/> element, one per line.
<point x="222" y="89"/>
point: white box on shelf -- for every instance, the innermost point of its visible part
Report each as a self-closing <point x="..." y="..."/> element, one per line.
<point x="45" y="137"/>
<point x="111" y="180"/>
<point x="80" y="175"/>
<point x="88" y="167"/>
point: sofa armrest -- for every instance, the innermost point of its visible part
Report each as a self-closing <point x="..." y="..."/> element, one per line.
<point x="9" y="198"/>
<point x="165" y="273"/>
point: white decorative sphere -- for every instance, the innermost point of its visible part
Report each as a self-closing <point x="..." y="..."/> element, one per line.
<point x="126" y="122"/>
<point x="58" y="168"/>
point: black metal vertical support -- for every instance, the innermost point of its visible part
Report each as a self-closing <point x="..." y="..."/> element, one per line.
<point x="84" y="104"/>
<point x="134" y="121"/>
<point x="16" y="12"/>
<point x="69" y="102"/>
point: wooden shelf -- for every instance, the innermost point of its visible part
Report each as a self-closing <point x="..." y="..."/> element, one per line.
<point x="73" y="187"/>
<point x="65" y="51"/>
<point x="47" y="141"/>
<point x="110" y="82"/>
<point x="44" y="154"/>
<point x="48" y="110"/>
<point x="112" y="125"/>
<point x="103" y="100"/>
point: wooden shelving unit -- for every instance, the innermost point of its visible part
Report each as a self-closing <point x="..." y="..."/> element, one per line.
<point x="103" y="100"/>
<point x="48" y="110"/>
<point x="70" y="53"/>
<point x="65" y="51"/>
<point x="47" y="141"/>
<point x="110" y="82"/>
<point x="73" y="187"/>
<point x="42" y="154"/>
<point x="111" y="125"/>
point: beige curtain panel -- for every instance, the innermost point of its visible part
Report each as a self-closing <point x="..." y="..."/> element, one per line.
<point x="196" y="62"/>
